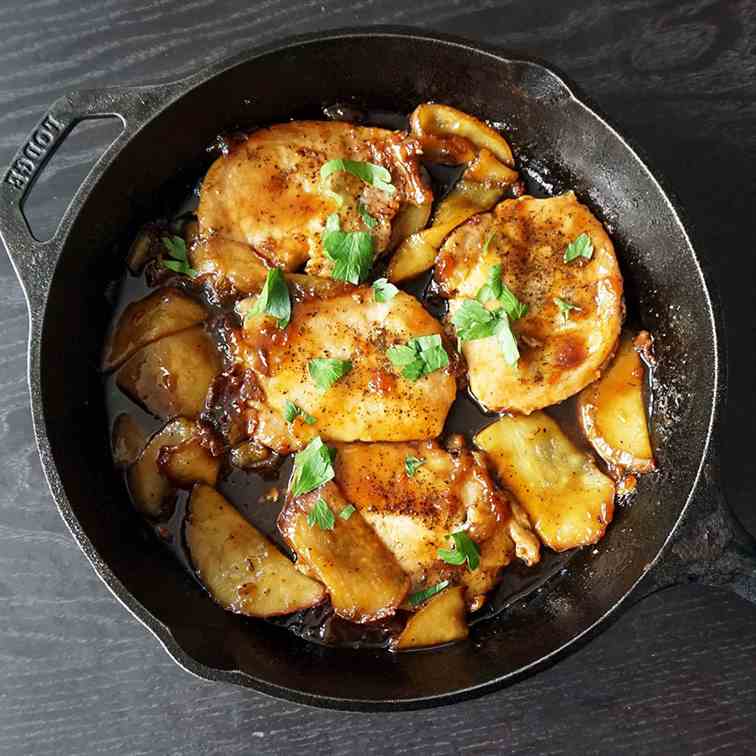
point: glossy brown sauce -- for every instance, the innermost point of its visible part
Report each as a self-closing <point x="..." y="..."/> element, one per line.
<point x="259" y="497"/>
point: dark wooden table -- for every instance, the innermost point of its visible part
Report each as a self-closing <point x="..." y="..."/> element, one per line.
<point x="675" y="674"/>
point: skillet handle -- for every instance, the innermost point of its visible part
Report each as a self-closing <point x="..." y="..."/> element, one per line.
<point x="33" y="260"/>
<point x="710" y="546"/>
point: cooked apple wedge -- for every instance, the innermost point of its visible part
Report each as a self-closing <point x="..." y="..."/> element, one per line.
<point x="171" y="376"/>
<point x="127" y="440"/>
<point x="440" y="620"/>
<point x="568" y="499"/>
<point x="176" y="447"/>
<point x="162" y="313"/>
<point x="482" y="185"/>
<point x="612" y="412"/>
<point x="451" y="136"/>
<point x="363" y="577"/>
<point x="243" y="571"/>
<point x="228" y="266"/>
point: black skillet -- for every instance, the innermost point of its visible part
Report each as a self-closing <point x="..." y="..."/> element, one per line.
<point x="560" y="141"/>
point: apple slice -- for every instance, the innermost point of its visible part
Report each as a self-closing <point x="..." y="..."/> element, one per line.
<point x="242" y="570"/>
<point x="568" y="499"/>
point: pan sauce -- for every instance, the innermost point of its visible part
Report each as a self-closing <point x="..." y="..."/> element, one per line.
<point x="260" y="498"/>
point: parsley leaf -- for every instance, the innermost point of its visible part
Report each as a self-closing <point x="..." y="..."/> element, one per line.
<point x="507" y="340"/>
<point x="292" y="412"/>
<point x="347" y="512"/>
<point x="497" y="289"/>
<point x="411" y="464"/>
<point x="420" y="356"/>
<point x="321" y="515"/>
<point x="274" y="299"/>
<point x="313" y="466"/>
<point x="367" y="219"/>
<point x="565" y="307"/>
<point x="464" y="550"/>
<point x="179" y="262"/>
<point x="473" y="321"/>
<point x="582" y="246"/>
<point x="325" y="371"/>
<point x="491" y="237"/>
<point x="370" y="173"/>
<point x="383" y="291"/>
<point x="351" y="251"/>
<point x="420" y="596"/>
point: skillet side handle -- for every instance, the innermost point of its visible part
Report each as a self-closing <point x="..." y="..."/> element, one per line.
<point x="711" y="546"/>
<point x="33" y="260"/>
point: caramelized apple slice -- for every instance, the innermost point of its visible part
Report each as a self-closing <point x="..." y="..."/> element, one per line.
<point x="363" y="577"/>
<point x="171" y="377"/>
<point x="242" y="570"/>
<point x="568" y="499"/>
<point x="128" y="440"/>
<point x="162" y="313"/>
<point x="612" y="412"/>
<point x="480" y="188"/>
<point x="451" y="136"/>
<point x="229" y="266"/>
<point x="176" y="446"/>
<point x="440" y="620"/>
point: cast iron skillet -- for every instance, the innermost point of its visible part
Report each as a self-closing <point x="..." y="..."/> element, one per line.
<point x="165" y="129"/>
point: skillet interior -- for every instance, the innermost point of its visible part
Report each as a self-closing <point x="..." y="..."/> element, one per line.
<point x="554" y="136"/>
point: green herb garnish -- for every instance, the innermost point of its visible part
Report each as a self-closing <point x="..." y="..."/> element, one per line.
<point x="419" y="357"/>
<point x="420" y="596"/>
<point x="411" y="464"/>
<point x="497" y="289"/>
<point x="179" y="262"/>
<point x="464" y="550"/>
<point x="325" y="371"/>
<point x="367" y="219"/>
<point x="565" y="307"/>
<point x="321" y="515"/>
<point x="370" y="173"/>
<point x="472" y="321"/>
<point x="292" y="412"/>
<point x="347" y="512"/>
<point x="488" y="241"/>
<point x="351" y="251"/>
<point x="313" y="466"/>
<point x="580" y="247"/>
<point x="274" y="299"/>
<point x="383" y="291"/>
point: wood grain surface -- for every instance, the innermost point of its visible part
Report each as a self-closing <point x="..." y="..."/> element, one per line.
<point x="676" y="673"/>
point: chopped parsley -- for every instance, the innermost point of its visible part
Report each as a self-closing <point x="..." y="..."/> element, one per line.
<point x="370" y="173"/>
<point x="179" y="261"/>
<point x="420" y="356"/>
<point x="326" y="371"/>
<point x="313" y="466"/>
<point x="411" y="464"/>
<point x="582" y="246"/>
<point x="383" y="291"/>
<point x="464" y="550"/>
<point x="292" y="412"/>
<point x="472" y="321"/>
<point x="497" y="289"/>
<point x="421" y="596"/>
<point x="351" y="251"/>
<point x="321" y="515"/>
<point x="274" y="299"/>
<point x="347" y="512"/>
<point x="565" y="307"/>
<point x="367" y="219"/>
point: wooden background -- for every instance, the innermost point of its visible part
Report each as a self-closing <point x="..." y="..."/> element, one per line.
<point x="675" y="674"/>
